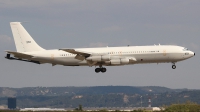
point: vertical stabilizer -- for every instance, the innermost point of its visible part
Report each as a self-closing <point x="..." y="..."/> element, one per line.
<point x="23" y="41"/>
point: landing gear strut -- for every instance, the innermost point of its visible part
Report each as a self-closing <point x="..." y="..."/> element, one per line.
<point x="100" y="69"/>
<point x="173" y="66"/>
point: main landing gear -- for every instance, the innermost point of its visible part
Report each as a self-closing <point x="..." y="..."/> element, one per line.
<point x="173" y="66"/>
<point x="100" y="69"/>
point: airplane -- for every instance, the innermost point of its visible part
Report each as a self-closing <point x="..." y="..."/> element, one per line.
<point x="29" y="51"/>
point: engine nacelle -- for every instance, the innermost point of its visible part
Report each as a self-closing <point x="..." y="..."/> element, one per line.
<point x="118" y="61"/>
<point x="99" y="58"/>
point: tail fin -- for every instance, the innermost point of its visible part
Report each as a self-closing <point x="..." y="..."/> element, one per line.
<point x="23" y="41"/>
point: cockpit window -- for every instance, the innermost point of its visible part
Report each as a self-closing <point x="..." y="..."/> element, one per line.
<point x="185" y="49"/>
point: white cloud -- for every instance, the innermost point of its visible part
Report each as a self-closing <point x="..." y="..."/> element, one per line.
<point x="112" y="29"/>
<point x="126" y="42"/>
<point x="34" y="3"/>
<point x="4" y="39"/>
<point x="6" y="43"/>
<point x="192" y="46"/>
<point x="98" y="44"/>
<point x="173" y="27"/>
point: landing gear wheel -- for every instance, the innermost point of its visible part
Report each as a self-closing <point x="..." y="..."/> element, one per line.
<point x="97" y="70"/>
<point x="173" y="66"/>
<point x="103" y="70"/>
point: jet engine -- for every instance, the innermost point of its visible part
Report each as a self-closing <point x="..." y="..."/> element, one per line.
<point x="99" y="58"/>
<point x="123" y="61"/>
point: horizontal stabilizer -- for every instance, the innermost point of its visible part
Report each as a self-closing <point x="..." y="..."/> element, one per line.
<point x="31" y="61"/>
<point x="19" y="55"/>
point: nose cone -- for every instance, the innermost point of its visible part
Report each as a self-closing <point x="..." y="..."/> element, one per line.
<point x="190" y="54"/>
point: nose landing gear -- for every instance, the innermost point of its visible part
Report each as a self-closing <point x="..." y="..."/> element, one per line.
<point x="173" y="66"/>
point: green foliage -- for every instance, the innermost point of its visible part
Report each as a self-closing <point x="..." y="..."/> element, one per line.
<point x="80" y="108"/>
<point x="103" y="110"/>
<point x="184" y="107"/>
<point x="100" y="96"/>
<point x="139" y="110"/>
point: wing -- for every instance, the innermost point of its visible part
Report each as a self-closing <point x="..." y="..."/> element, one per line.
<point x="80" y="55"/>
<point x="19" y="55"/>
<point x="73" y="51"/>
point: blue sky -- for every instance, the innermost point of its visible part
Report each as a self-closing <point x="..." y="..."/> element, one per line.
<point x="74" y="24"/>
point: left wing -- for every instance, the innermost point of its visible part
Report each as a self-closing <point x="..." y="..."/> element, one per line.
<point x="73" y="51"/>
<point x="80" y="55"/>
